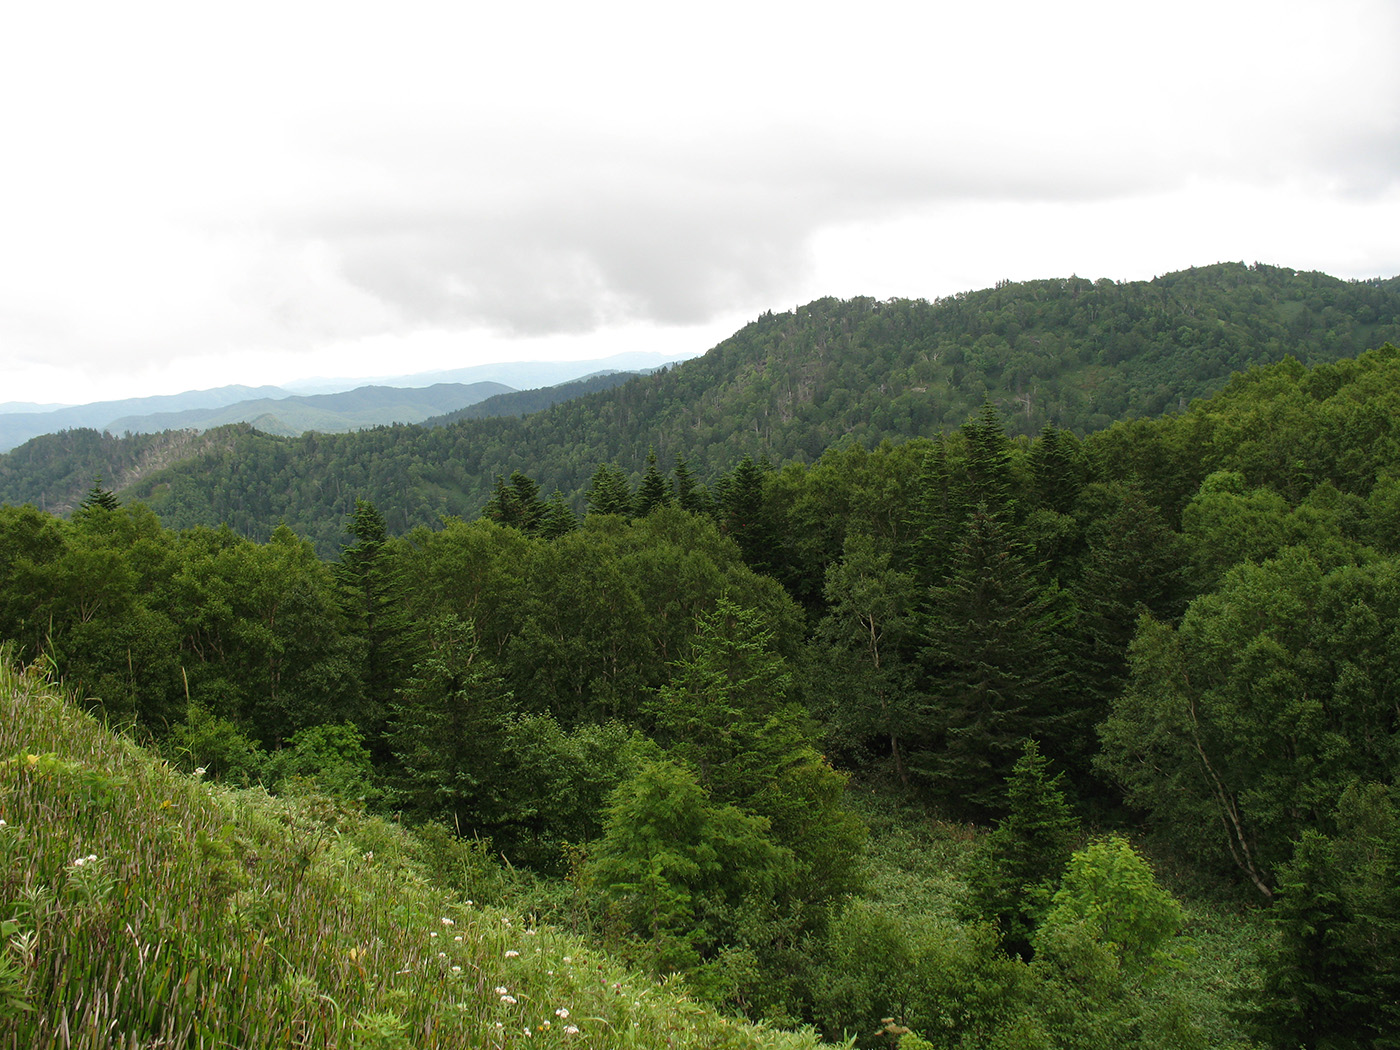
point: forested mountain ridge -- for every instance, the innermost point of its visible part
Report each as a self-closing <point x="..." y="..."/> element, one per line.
<point x="1073" y="352"/>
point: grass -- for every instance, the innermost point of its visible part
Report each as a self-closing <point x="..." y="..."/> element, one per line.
<point x="144" y="908"/>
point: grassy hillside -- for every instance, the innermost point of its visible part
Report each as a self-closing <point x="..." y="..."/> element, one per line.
<point x="142" y="907"/>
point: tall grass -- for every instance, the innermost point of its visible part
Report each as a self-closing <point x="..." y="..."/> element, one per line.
<point x="144" y="908"/>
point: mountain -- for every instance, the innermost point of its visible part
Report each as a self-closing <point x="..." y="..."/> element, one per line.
<point x="522" y="375"/>
<point x="18" y="427"/>
<point x="296" y="413"/>
<point x="524" y="402"/>
<point x="1069" y="351"/>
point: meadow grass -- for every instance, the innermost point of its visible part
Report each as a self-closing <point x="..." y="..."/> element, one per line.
<point x="144" y="908"/>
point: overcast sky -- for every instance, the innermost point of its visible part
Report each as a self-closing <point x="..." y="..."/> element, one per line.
<point x="193" y="194"/>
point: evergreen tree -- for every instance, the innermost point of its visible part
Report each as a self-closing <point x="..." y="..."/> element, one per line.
<point x="559" y="518"/>
<point x="447" y="734"/>
<point x="1059" y="469"/>
<point x="1018" y="866"/>
<point x="988" y="478"/>
<point x="744" y="516"/>
<point x="690" y="495"/>
<point x="99" y="498"/>
<point x="654" y="492"/>
<point x="609" y="492"/>
<point x="934" y="519"/>
<point x="516" y="503"/>
<point x="373" y="597"/>
<point x="1332" y="977"/>
<point x="995" y="668"/>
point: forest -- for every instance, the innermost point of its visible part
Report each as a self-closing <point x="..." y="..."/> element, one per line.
<point x="1072" y="353"/>
<point x="977" y="739"/>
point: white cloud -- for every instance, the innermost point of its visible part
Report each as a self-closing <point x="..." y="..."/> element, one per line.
<point x="199" y="188"/>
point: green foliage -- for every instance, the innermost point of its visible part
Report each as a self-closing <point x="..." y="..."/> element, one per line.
<point x="685" y="873"/>
<point x="1331" y="977"/>
<point x="1110" y="891"/>
<point x="173" y="912"/>
<point x="1241" y="728"/>
<point x="995" y="665"/>
<point x="1019" y="864"/>
<point x="861" y="683"/>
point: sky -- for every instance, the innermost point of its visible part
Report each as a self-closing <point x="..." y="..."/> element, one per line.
<point x="194" y="195"/>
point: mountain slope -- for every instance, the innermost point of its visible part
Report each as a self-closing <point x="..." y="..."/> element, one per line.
<point x="1069" y="351"/>
<point x="364" y="406"/>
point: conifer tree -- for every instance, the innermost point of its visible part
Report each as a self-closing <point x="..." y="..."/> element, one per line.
<point x="995" y="667"/>
<point x="654" y="492"/>
<point x="372" y="595"/>
<point x="609" y="492"/>
<point x="987" y="477"/>
<point x="1018" y="866"/>
<point x="559" y="518"/>
<point x="690" y="495"/>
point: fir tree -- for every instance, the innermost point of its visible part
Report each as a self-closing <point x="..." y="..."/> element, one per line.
<point x="995" y="667"/>
<point x="1018" y="866"/>
<point x="654" y="492"/>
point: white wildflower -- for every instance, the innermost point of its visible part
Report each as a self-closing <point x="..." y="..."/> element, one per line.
<point x="561" y="1013"/>
<point x="502" y="990"/>
<point x="509" y="1000"/>
<point x="571" y="1029"/>
<point x="512" y="954"/>
<point x="447" y="922"/>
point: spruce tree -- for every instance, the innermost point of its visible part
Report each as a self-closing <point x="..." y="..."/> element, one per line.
<point x="995" y="668"/>
<point x="1018" y="866"/>
<point x="654" y="492"/>
<point x="559" y="518"/>
<point x="609" y="492"/>
<point x="373" y="597"/>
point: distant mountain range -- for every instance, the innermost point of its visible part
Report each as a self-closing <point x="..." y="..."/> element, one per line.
<point x="325" y="405"/>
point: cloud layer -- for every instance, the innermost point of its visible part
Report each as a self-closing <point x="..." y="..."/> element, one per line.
<point x="283" y="179"/>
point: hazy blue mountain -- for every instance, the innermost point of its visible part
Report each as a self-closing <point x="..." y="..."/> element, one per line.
<point x="365" y="406"/>
<point x="18" y="427"/>
<point x="520" y="375"/>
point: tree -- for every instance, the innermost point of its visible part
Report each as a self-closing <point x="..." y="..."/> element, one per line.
<point x="516" y="503"/>
<point x="987" y="478"/>
<point x="559" y="518"/>
<point x="727" y="714"/>
<point x="99" y="498"/>
<point x="609" y="492"/>
<point x="1241" y="728"/>
<point x="1332" y="975"/>
<point x="447" y="732"/>
<point x="1019" y="865"/>
<point x="743" y="514"/>
<point x="687" y="874"/>
<point x="864" y="674"/>
<point x="690" y="495"/>
<point x="654" y="492"/>
<point x="1109" y="890"/>
<point x="994" y="664"/>
<point x="373" y="597"/>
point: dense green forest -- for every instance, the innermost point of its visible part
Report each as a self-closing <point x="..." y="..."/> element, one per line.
<point x="1073" y="353"/>
<point x="979" y="739"/>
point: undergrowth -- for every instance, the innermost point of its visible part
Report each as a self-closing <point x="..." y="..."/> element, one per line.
<point x="141" y="907"/>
